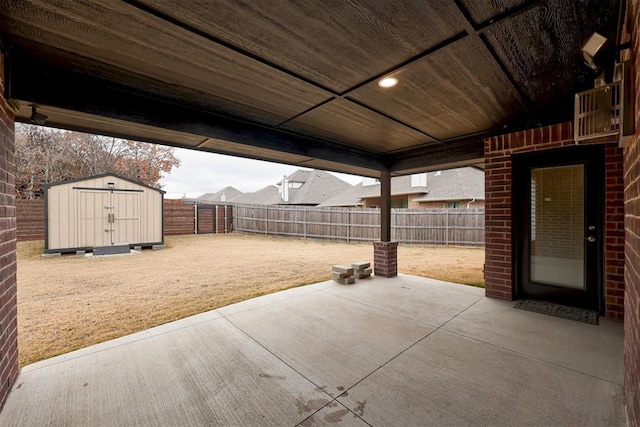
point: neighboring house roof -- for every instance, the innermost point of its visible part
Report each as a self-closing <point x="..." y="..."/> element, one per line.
<point x="317" y="186"/>
<point x="349" y="198"/>
<point x="400" y="185"/>
<point x="228" y="193"/>
<point x="301" y="175"/>
<point x="269" y="195"/>
<point x="453" y="184"/>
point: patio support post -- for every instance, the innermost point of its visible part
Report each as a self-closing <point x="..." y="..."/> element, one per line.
<point x="8" y="283"/>
<point x="385" y="252"/>
<point x="385" y="206"/>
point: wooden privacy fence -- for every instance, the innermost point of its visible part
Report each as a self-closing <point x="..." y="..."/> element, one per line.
<point x="179" y="218"/>
<point x="460" y="227"/>
<point x="30" y="219"/>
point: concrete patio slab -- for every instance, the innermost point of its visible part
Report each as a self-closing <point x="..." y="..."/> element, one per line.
<point x="208" y="374"/>
<point x="334" y="414"/>
<point x="401" y="351"/>
<point x="267" y="299"/>
<point x="455" y="381"/>
<point x="594" y="350"/>
<point x="332" y="341"/>
<point x="408" y="297"/>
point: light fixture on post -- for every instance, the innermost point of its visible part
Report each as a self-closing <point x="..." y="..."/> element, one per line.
<point x="37" y="118"/>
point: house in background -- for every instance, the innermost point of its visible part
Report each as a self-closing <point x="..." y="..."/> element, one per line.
<point x="303" y="187"/>
<point x="222" y="196"/>
<point x="453" y="188"/>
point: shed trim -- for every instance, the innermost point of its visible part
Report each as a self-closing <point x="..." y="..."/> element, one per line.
<point x="102" y="175"/>
<point x="107" y="189"/>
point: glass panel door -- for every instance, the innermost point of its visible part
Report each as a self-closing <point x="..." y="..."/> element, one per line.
<point x="556" y="254"/>
<point x="558" y="213"/>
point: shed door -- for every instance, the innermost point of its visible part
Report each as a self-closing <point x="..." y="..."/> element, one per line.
<point x="126" y="217"/>
<point x="93" y="227"/>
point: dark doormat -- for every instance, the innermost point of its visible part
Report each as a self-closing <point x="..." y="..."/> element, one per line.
<point x="559" y="310"/>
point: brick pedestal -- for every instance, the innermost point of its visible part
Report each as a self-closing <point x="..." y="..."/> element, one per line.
<point x="385" y="259"/>
<point x="8" y="301"/>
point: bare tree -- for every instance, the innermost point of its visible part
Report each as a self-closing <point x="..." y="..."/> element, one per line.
<point x="45" y="155"/>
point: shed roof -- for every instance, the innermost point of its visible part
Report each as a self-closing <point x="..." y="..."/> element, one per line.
<point x="86" y="178"/>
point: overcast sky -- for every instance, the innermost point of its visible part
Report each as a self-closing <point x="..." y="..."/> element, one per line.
<point x="202" y="173"/>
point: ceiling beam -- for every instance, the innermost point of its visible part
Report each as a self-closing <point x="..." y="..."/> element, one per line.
<point x="35" y="81"/>
<point x="458" y="153"/>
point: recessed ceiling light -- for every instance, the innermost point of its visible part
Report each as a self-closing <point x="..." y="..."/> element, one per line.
<point x="388" y="82"/>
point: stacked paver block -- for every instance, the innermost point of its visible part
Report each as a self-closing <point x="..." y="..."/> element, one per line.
<point x="343" y="274"/>
<point x="362" y="269"/>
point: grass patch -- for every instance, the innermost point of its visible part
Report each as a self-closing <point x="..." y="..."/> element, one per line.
<point x="70" y="302"/>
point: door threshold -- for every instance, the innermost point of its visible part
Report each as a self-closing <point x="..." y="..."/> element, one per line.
<point x="558" y="310"/>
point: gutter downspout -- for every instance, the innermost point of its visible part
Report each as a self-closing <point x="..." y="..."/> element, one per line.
<point x="469" y="203"/>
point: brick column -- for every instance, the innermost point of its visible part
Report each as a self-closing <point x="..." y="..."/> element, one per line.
<point x="385" y="259"/>
<point x="8" y="301"/>
<point x="632" y="239"/>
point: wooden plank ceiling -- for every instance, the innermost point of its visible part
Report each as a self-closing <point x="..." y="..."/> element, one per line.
<point x="296" y="82"/>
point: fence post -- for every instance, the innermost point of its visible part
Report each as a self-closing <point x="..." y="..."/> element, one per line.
<point x="394" y="223"/>
<point x="225" y="219"/>
<point x="195" y="219"/>
<point x="215" y="219"/>
<point x="304" y="224"/>
<point x="446" y="227"/>
<point x="234" y="219"/>
<point x="348" y="225"/>
<point x="266" y="220"/>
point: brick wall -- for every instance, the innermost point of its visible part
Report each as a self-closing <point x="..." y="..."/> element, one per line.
<point x="614" y="233"/>
<point x="8" y="286"/>
<point x="632" y="240"/>
<point x="499" y="278"/>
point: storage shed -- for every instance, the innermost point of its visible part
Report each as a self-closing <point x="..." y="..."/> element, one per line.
<point x="102" y="211"/>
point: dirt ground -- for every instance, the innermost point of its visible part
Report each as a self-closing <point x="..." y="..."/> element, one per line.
<point x="70" y="302"/>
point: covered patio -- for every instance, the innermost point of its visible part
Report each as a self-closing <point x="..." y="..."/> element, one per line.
<point x="385" y="351"/>
<point x="489" y="84"/>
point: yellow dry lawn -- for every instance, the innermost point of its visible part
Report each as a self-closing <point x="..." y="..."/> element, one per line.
<point x="70" y="302"/>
